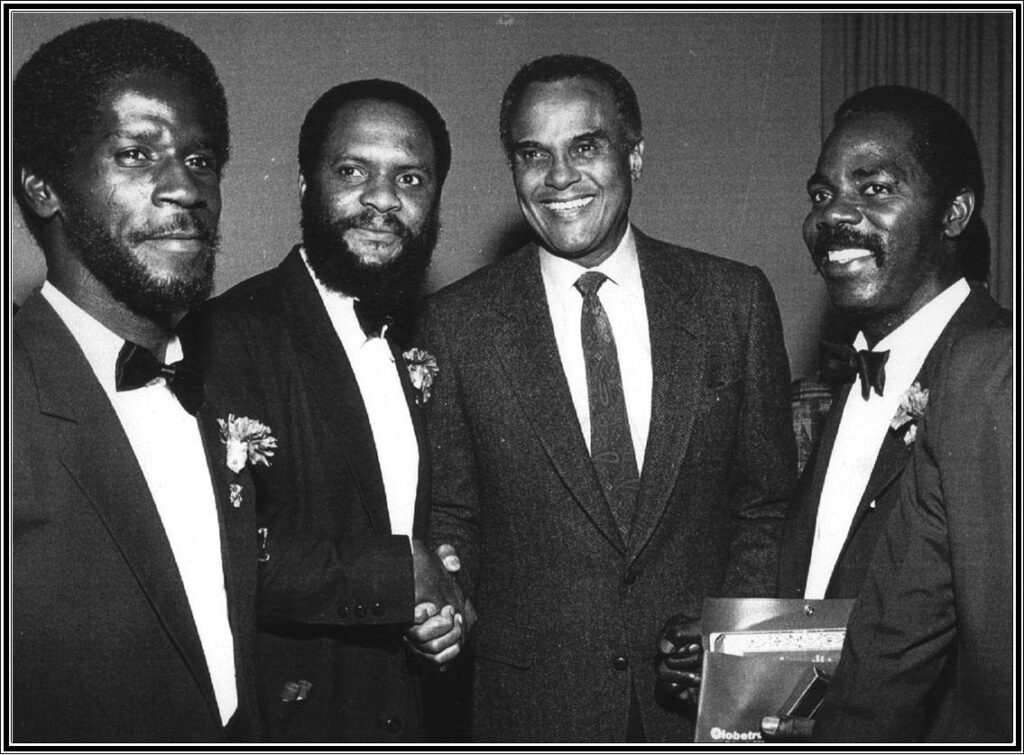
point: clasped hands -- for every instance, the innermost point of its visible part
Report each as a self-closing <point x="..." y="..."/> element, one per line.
<point x="443" y="615"/>
<point x="678" y="663"/>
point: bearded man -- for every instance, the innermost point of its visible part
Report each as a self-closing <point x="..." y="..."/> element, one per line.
<point x="348" y="594"/>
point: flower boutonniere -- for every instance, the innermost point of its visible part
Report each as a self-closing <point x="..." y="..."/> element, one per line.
<point x="912" y="406"/>
<point x="246" y="439"/>
<point x="422" y="367"/>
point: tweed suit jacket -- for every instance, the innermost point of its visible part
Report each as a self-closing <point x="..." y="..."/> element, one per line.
<point x="569" y="613"/>
<point x="978" y="312"/>
<point x="935" y="620"/>
<point x="336" y="588"/>
<point x="105" y="648"/>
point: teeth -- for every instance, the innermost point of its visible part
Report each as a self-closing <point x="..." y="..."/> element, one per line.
<point x="571" y="204"/>
<point x="847" y="255"/>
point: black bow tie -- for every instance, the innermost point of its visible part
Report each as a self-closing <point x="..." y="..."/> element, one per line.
<point x="843" y="363"/>
<point x="137" y="366"/>
<point x="371" y="320"/>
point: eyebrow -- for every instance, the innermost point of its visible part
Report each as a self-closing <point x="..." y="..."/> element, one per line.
<point x="892" y="168"/>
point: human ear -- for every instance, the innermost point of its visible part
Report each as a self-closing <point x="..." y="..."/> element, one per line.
<point x="958" y="214"/>
<point x="38" y="194"/>
<point x="636" y="160"/>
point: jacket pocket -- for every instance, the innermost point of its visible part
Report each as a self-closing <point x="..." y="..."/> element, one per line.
<point x="505" y="641"/>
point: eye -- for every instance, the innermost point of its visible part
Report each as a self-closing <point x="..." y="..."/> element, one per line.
<point x="410" y="179"/>
<point x="585" y="149"/>
<point x="350" y="173"/>
<point x="819" y="196"/>
<point x="531" y="157"/>
<point x="203" y="162"/>
<point x="131" y="156"/>
<point x="875" y="190"/>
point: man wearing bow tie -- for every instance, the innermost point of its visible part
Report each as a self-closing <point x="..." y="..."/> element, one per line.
<point x="895" y="232"/>
<point x="312" y="348"/>
<point x="133" y="564"/>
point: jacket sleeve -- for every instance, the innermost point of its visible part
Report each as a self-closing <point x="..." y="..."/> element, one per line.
<point x="765" y="456"/>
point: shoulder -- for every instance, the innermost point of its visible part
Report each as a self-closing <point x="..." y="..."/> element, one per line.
<point x="717" y="276"/>
<point x="491" y="282"/>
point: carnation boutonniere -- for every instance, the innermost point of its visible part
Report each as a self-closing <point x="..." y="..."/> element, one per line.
<point x="422" y="367"/>
<point x="246" y="439"/>
<point x="911" y="410"/>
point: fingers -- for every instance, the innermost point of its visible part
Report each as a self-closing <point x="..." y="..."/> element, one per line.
<point x="672" y="693"/>
<point x="424" y="611"/>
<point x="682" y="662"/>
<point x="439" y="638"/>
<point x="449" y="557"/>
<point x="787" y="728"/>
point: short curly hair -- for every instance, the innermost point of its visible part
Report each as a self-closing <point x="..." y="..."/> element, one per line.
<point x="945" y="147"/>
<point x="559" y="67"/>
<point x="315" y="125"/>
<point x="57" y="92"/>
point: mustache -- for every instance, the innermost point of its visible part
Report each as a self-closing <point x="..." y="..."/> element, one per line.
<point x="371" y="220"/>
<point x="843" y="237"/>
<point x="190" y="223"/>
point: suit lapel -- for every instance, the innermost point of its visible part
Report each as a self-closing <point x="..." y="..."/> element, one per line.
<point x="678" y="363"/>
<point x="526" y="348"/>
<point x="332" y="383"/>
<point x="978" y="311"/>
<point x="109" y="475"/>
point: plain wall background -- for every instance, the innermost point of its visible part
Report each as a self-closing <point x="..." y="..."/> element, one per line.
<point x="730" y="102"/>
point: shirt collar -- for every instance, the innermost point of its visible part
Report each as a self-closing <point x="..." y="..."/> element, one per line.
<point x="922" y="329"/>
<point x="341" y="310"/>
<point x="99" y="344"/>
<point x="622" y="267"/>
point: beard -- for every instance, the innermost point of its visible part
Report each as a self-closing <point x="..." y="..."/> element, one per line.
<point x="111" y="260"/>
<point x="388" y="286"/>
<point x="842" y="237"/>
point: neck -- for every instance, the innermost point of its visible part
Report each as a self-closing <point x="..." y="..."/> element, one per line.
<point x="878" y="327"/>
<point x="80" y="286"/>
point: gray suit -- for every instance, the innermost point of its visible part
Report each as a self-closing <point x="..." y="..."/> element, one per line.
<point x="569" y="612"/>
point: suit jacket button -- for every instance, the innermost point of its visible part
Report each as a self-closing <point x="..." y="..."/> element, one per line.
<point x="620" y="663"/>
<point x="394" y="724"/>
<point x="343" y="611"/>
<point x="359" y="611"/>
<point x="378" y="609"/>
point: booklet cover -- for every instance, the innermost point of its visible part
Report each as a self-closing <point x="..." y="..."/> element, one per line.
<point x="764" y="657"/>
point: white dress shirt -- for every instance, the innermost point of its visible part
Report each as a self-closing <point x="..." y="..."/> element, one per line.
<point x="622" y="297"/>
<point x="863" y="427"/>
<point x="169" y="450"/>
<point x="377" y="375"/>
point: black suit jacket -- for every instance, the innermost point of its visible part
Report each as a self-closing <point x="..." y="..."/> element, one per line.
<point x="978" y="312"/>
<point x="336" y="590"/>
<point x="935" y="620"/>
<point x="105" y="648"/>
<point x="569" y="614"/>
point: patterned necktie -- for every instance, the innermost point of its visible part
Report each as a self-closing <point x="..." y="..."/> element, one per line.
<point x="843" y="363"/>
<point x="611" y="445"/>
<point x="137" y="366"/>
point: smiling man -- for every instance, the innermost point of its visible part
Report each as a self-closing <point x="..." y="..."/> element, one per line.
<point x="133" y="571"/>
<point x="311" y="348"/>
<point x="609" y="428"/>
<point x="894" y="230"/>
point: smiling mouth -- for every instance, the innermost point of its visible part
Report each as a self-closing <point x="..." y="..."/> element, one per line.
<point x="845" y="256"/>
<point x="568" y="206"/>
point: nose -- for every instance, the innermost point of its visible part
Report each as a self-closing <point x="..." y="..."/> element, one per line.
<point x="562" y="174"/>
<point x="842" y="209"/>
<point x="380" y="194"/>
<point x="177" y="184"/>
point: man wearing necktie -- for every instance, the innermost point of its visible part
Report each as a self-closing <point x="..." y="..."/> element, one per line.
<point x="134" y="557"/>
<point x="609" y="428"/>
<point x="312" y="348"/>
<point x="895" y="231"/>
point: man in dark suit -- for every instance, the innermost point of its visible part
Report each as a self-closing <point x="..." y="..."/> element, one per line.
<point x="133" y="563"/>
<point x="609" y="428"/>
<point x="929" y="649"/>
<point x="894" y="230"/>
<point x="310" y="347"/>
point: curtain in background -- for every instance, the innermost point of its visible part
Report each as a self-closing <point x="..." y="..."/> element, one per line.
<point x="965" y="58"/>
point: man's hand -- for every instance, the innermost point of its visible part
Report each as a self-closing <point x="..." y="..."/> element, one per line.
<point x="433" y="582"/>
<point x="436" y="636"/>
<point x="787" y="729"/>
<point x="678" y="663"/>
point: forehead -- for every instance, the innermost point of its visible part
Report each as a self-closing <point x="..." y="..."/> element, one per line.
<point x="372" y="126"/>
<point x="871" y="141"/>
<point x="577" y="105"/>
<point x="151" y="101"/>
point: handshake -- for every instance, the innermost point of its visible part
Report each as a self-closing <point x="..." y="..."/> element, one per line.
<point x="443" y="615"/>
